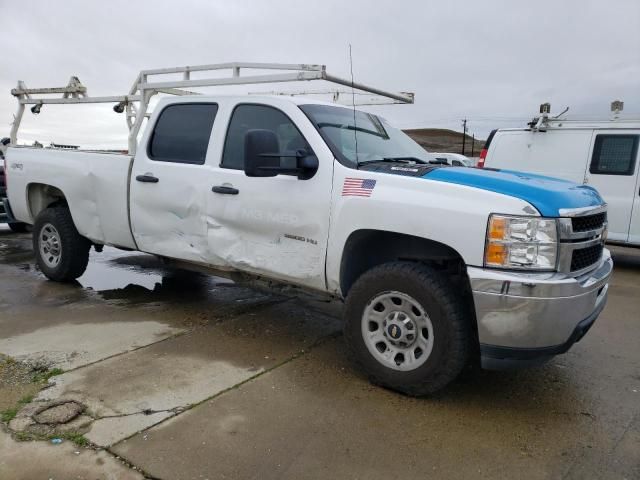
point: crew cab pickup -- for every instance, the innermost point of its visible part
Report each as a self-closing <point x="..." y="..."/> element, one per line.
<point x="437" y="265"/>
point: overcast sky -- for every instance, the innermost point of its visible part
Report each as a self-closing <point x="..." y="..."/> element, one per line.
<point x="491" y="61"/>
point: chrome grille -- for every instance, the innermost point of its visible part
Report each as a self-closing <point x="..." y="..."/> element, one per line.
<point x="582" y="237"/>
<point x="588" y="222"/>
<point x="585" y="257"/>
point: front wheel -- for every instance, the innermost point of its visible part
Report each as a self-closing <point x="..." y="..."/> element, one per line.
<point x="61" y="252"/>
<point x="406" y="328"/>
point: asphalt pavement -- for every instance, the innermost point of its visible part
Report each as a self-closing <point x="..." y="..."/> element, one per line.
<point x="159" y="373"/>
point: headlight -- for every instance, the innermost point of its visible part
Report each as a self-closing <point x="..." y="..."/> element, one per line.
<point x="521" y="242"/>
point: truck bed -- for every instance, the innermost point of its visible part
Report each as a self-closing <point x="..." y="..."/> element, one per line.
<point x="95" y="186"/>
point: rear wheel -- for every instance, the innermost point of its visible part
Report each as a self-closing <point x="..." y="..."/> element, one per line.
<point x="406" y="328"/>
<point x="61" y="252"/>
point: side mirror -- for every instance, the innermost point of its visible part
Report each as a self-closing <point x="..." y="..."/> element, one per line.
<point x="262" y="158"/>
<point x="256" y="144"/>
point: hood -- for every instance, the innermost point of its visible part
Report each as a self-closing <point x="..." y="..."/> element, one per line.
<point x="547" y="194"/>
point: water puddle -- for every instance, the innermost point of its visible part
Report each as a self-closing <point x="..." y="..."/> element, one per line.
<point x="15" y="248"/>
<point x="128" y="277"/>
<point x="138" y="277"/>
<point x="101" y="275"/>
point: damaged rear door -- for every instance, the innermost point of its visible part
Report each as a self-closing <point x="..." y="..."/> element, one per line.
<point x="169" y="186"/>
<point x="275" y="226"/>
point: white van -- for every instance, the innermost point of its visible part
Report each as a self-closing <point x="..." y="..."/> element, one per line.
<point x="603" y="154"/>
<point x="454" y="159"/>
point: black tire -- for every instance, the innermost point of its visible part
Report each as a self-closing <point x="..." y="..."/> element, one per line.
<point x="19" y="227"/>
<point x="452" y="331"/>
<point x="74" y="248"/>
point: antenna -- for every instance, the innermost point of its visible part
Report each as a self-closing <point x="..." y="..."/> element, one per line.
<point x="562" y="113"/>
<point x="353" y="102"/>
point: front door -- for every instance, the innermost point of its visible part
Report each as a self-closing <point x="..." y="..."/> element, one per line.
<point x="273" y="226"/>
<point x="169" y="184"/>
<point x="613" y="171"/>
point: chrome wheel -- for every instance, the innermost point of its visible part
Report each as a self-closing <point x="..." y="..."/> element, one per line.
<point x="50" y="246"/>
<point x="397" y="331"/>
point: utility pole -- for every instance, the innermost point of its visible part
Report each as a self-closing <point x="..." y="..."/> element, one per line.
<point x="473" y="143"/>
<point x="464" y="133"/>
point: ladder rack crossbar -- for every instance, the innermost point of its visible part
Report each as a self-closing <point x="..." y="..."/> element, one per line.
<point x="60" y="101"/>
<point x="147" y="84"/>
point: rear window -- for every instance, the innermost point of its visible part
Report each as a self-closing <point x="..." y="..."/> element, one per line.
<point x="614" y="155"/>
<point x="181" y="134"/>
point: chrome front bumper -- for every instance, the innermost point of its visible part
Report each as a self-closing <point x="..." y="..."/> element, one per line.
<point x="526" y="318"/>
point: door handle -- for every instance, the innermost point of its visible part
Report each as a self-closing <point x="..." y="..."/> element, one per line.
<point x="225" y="190"/>
<point x="147" y="178"/>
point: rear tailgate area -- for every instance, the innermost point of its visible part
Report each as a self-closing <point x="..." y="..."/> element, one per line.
<point x="93" y="184"/>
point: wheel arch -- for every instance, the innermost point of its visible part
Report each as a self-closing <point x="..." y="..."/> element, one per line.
<point x="365" y="249"/>
<point x="41" y="196"/>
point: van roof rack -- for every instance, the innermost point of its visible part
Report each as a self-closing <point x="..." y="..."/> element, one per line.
<point x="548" y="120"/>
<point x="147" y="84"/>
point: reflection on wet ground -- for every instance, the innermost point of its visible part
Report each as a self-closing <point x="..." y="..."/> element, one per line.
<point x="135" y="277"/>
<point x="15" y="249"/>
<point x="118" y="275"/>
<point x="104" y="273"/>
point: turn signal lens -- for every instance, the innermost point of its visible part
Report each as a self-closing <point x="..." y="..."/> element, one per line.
<point x="496" y="254"/>
<point x="497" y="228"/>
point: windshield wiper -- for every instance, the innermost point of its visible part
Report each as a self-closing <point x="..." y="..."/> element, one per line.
<point x="394" y="159"/>
<point x="352" y="127"/>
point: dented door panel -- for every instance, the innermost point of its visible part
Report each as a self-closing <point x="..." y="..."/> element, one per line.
<point x="168" y="217"/>
<point x="274" y="226"/>
<point x="169" y="188"/>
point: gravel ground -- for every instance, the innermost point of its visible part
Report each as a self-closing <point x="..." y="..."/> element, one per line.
<point x="16" y="382"/>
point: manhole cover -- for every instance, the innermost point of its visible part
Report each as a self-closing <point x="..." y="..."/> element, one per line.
<point x="62" y="412"/>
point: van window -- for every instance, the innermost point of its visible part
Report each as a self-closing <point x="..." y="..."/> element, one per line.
<point x="614" y="154"/>
<point x="181" y="134"/>
<point x="248" y="117"/>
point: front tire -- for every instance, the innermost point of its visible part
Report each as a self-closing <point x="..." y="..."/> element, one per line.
<point x="406" y="328"/>
<point x="61" y="252"/>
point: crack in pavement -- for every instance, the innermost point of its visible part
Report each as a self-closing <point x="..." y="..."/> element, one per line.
<point x="146" y="411"/>
<point x="317" y="343"/>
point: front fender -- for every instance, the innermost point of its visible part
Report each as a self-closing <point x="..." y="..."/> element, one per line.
<point x="450" y="214"/>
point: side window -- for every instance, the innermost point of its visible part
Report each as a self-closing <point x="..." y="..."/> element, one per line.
<point x="614" y="154"/>
<point x="181" y="134"/>
<point x="249" y="117"/>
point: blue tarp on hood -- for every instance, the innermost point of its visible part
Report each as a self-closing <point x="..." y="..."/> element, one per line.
<point x="547" y="194"/>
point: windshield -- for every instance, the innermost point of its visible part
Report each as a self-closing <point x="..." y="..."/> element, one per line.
<point x="370" y="135"/>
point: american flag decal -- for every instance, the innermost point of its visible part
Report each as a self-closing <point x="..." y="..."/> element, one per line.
<point x="358" y="187"/>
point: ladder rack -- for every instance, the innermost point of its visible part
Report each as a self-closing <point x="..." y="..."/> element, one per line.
<point x="147" y="84"/>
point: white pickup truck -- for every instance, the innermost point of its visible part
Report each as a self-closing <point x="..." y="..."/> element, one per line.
<point x="437" y="266"/>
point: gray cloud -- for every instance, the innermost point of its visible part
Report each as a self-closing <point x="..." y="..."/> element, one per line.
<point x="491" y="61"/>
